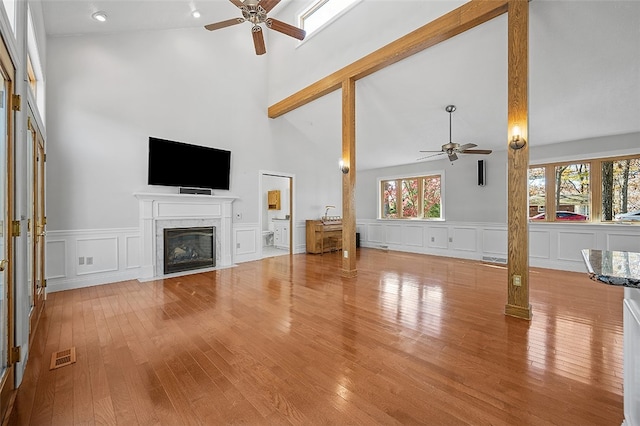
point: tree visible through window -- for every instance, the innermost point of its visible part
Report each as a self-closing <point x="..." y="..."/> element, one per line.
<point x="620" y="187"/>
<point x="601" y="189"/>
<point x="572" y="188"/>
<point x="411" y="198"/>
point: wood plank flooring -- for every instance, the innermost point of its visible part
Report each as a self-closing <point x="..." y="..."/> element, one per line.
<point x="413" y="339"/>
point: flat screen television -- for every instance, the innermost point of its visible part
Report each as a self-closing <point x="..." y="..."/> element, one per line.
<point x="180" y="164"/>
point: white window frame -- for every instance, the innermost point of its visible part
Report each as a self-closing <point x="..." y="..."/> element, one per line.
<point x="315" y="7"/>
<point x="413" y="176"/>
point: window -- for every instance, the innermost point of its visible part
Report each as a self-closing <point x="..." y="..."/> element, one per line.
<point x="34" y="67"/>
<point x="597" y="190"/>
<point x="621" y="189"/>
<point x="572" y="191"/>
<point x="537" y="191"/>
<point x="411" y="198"/>
<point x="323" y="12"/>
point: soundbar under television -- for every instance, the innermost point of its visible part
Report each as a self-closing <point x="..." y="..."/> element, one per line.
<point x="180" y="164"/>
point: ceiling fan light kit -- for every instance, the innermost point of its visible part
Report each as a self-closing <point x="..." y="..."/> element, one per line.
<point x="452" y="148"/>
<point x="255" y="12"/>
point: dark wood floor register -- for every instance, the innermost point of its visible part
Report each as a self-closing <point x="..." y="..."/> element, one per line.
<point x="323" y="236"/>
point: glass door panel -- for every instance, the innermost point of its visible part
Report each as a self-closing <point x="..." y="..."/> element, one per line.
<point x="4" y="229"/>
<point x="6" y="235"/>
<point x="36" y="223"/>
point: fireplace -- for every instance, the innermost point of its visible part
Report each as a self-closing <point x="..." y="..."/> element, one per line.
<point x="189" y="248"/>
<point x="161" y="211"/>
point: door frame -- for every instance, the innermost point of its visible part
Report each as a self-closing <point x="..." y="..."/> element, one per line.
<point x="7" y="380"/>
<point x="37" y="225"/>
<point x="262" y="203"/>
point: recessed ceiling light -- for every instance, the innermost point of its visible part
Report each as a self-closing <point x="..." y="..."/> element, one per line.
<point x="99" y="16"/>
<point x="195" y="14"/>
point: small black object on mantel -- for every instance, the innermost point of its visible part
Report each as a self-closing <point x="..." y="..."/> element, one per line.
<point x="195" y="191"/>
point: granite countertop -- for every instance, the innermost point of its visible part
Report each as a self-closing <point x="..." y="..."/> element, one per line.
<point x="621" y="268"/>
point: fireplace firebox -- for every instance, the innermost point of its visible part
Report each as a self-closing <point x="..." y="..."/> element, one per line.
<point x="189" y="248"/>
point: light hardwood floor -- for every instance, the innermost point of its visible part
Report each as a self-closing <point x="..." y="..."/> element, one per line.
<point x="413" y="339"/>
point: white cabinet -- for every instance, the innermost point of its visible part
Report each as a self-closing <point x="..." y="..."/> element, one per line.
<point x="281" y="234"/>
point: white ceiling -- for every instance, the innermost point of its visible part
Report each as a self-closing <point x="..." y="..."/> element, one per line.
<point x="584" y="76"/>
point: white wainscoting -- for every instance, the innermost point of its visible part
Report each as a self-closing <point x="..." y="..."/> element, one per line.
<point x="247" y="239"/>
<point x="115" y="254"/>
<point x="551" y="245"/>
<point x="108" y="255"/>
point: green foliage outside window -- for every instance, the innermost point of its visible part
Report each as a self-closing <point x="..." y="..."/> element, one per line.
<point x="419" y="198"/>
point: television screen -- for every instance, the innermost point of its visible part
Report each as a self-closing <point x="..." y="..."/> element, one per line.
<point x="180" y="164"/>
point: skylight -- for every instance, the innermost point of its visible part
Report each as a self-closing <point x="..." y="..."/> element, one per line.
<point x="322" y="13"/>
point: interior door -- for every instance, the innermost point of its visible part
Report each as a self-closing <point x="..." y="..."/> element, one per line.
<point x="36" y="228"/>
<point x="7" y="355"/>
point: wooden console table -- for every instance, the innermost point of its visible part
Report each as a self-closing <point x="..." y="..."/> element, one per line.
<point x="324" y="236"/>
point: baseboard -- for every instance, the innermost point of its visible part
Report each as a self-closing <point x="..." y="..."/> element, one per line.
<point x="62" y="284"/>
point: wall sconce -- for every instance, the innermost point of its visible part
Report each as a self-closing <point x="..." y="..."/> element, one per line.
<point x="343" y="167"/>
<point x="517" y="141"/>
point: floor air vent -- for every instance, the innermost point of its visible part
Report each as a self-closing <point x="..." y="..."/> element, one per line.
<point x="62" y="358"/>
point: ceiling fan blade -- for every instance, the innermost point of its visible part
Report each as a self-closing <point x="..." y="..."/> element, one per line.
<point x="237" y="3"/>
<point x="285" y="28"/>
<point x="440" y="151"/>
<point x="476" y="151"/>
<point x="267" y="5"/>
<point x="453" y="156"/>
<point x="466" y="146"/>
<point x="258" y="40"/>
<point x="224" y="24"/>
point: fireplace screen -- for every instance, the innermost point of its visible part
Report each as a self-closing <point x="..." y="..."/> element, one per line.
<point x="189" y="248"/>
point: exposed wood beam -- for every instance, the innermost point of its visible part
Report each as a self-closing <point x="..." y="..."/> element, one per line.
<point x="518" y="162"/>
<point x="349" y="178"/>
<point x="457" y="21"/>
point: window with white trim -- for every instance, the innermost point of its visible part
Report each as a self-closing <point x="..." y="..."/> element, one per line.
<point x="416" y="197"/>
<point x="323" y="12"/>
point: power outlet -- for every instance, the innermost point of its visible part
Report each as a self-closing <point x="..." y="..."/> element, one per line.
<point x="517" y="280"/>
<point x="433" y="239"/>
<point x="89" y="260"/>
<point x="450" y="239"/>
<point x="81" y="260"/>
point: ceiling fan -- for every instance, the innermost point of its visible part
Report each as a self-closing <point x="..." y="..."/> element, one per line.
<point x="255" y="11"/>
<point x="452" y="148"/>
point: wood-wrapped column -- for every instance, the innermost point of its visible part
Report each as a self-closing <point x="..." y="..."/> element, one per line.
<point x="349" y="178"/>
<point x="518" y="162"/>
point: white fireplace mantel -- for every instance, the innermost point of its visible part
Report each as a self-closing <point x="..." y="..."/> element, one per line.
<point x="160" y="207"/>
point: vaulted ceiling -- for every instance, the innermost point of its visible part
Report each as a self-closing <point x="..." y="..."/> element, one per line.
<point x="584" y="75"/>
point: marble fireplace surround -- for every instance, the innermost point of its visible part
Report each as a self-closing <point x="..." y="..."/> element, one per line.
<point x="159" y="211"/>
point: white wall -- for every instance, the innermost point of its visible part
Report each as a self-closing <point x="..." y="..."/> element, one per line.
<point x="108" y="93"/>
